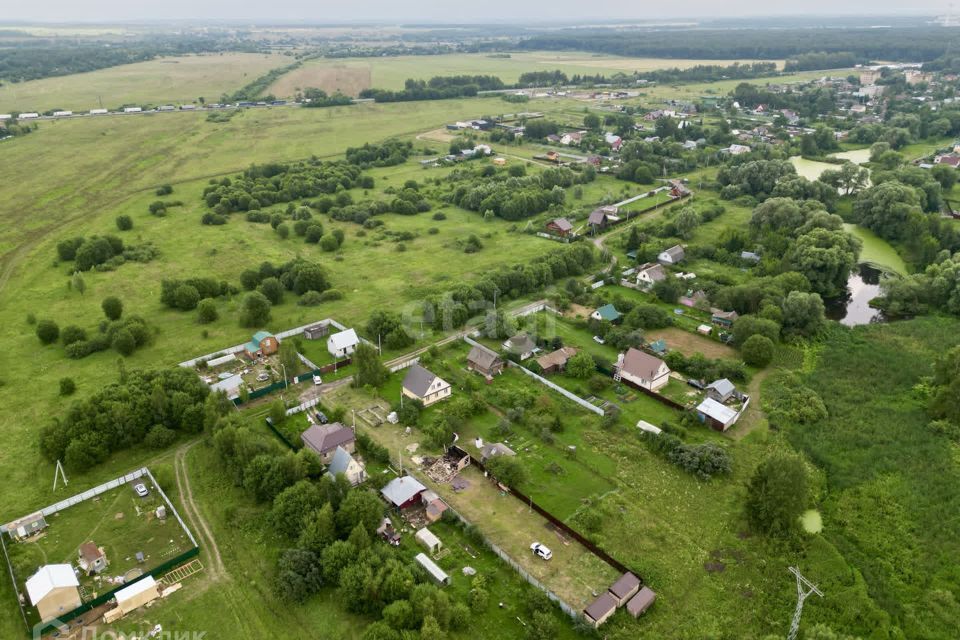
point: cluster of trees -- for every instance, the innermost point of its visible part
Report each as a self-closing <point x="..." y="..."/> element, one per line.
<point x="103" y="253"/>
<point x="777" y="494"/>
<point x="935" y="288"/>
<point x="511" y="195"/>
<point x="185" y="295"/>
<point x="809" y="102"/>
<point x="149" y="407"/>
<point x="894" y="208"/>
<point x="898" y="43"/>
<point x="542" y="78"/>
<point x="315" y="98"/>
<point x="267" y="184"/>
<point x="437" y="88"/>
<point x="384" y="154"/>
<point x="757" y="178"/>
<point x="704" y="460"/>
<point x="811" y="241"/>
<point x="822" y="60"/>
<point x="710" y="73"/>
<point x="33" y="58"/>
<point x="703" y="368"/>
<point x="390" y="329"/>
<point x="125" y="335"/>
<point x="253" y="89"/>
<point x="454" y="307"/>
<point x="407" y="201"/>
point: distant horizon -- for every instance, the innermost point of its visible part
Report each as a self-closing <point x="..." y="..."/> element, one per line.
<point x="285" y="13"/>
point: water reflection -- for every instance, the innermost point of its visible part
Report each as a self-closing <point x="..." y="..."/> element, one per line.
<point x="854" y="309"/>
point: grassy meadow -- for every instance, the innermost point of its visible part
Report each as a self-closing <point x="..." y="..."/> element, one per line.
<point x="351" y="75"/>
<point x="172" y="80"/>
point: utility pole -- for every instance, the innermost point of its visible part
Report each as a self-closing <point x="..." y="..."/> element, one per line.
<point x="805" y="588"/>
<point x="58" y="473"/>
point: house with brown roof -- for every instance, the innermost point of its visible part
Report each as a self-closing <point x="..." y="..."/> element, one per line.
<point x="323" y="439"/>
<point x="625" y="588"/>
<point x="560" y="227"/>
<point x="600" y="609"/>
<point x="650" y="273"/>
<point x="485" y="361"/>
<point x="723" y="318"/>
<point x="601" y="217"/>
<point x="642" y="370"/>
<point x="91" y="558"/>
<point x="556" y="361"/>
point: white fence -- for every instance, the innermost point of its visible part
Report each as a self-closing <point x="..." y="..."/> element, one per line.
<point x="110" y="486"/>
<point x="566" y="394"/>
<point x="303" y="406"/>
<point x="404" y="364"/>
<point x="189" y="364"/>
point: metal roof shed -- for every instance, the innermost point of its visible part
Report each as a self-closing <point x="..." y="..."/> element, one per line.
<point x="436" y="573"/>
<point x="429" y="540"/>
<point x="641" y="602"/>
<point x="137" y="594"/>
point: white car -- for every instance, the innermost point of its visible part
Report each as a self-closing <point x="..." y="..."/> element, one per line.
<point x="141" y="490"/>
<point x="541" y="551"/>
<point x="599" y="340"/>
<point x="317" y="381"/>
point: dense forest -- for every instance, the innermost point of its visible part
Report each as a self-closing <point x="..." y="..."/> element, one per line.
<point x="909" y="43"/>
<point x="33" y="58"/>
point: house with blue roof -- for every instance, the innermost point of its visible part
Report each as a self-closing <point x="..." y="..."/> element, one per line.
<point x="606" y="313"/>
<point x="263" y="343"/>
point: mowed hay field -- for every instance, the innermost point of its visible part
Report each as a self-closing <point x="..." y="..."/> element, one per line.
<point x="351" y="75"/>
<point x="165" y="80"/>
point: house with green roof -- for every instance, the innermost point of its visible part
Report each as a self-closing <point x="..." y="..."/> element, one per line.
<point x="263" y="343"/>
<point x="606" y="313"/>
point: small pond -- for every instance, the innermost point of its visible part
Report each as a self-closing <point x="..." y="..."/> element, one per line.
<point x="854" y="309"/>
<point x="857" y="156"/>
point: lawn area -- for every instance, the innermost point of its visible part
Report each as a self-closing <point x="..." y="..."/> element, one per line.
<point x="172" y="80"/>
<point x="121" y="523"/>
<point x="876" y="250"/>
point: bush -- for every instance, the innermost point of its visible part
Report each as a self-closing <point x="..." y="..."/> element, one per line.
<point x="124" y="342"/>
<point x="207" y="311"/>
<point x="313" y="234"/>
<point x="310" y="299"/>
<point x="254" y="310"/>
<point x="165" y="190"/>
<point x="757" y="351"/>
<point x="329" y="243"/>
<point x="331" y="294"/>
<point x="112" y="307"/>
<point x="67" y="386"/>
<point x="72" y="333"/>
<point x="48" y="331"/>
<point x="439" y="215"/>
<point x="124" y="223"/>
<point x="160" y="437"/>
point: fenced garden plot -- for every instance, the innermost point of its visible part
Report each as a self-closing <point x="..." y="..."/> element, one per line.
<point x="126" y="526"/>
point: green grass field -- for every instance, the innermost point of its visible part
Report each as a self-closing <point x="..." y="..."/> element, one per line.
<point x="162" y="81"/>
<point x="351" y="75"/>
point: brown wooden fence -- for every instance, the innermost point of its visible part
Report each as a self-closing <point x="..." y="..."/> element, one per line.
<point x="567" y="529"/>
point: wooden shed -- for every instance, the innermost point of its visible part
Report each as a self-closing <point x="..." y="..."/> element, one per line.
<point x="600" y="609"/>
<point x="625" y="588"/>
<point x="137" y="594"/>
<point x="641" y="602"/>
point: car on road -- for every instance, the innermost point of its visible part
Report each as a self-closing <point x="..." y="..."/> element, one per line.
<point x="317" y="380"/>
<point x="141" y="490"/>
<point x="541" y="551"/>
<point x="599" y="340"/>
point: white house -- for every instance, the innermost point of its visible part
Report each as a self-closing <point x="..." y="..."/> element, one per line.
<point x="54" y="591"/>
<point x="649" y="274"/>
<point x="343" y="343"/>
<point x="673" y="255"/>
<point x="425" y="386"/>
<point x="642" y="369"/>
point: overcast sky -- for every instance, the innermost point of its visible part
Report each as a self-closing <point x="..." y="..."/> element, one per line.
<point x="446" y="10"/>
